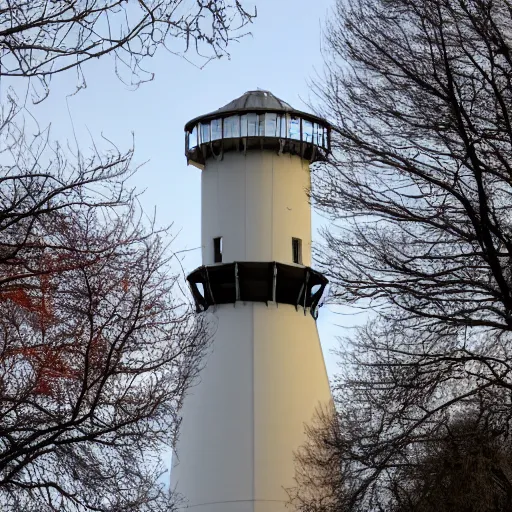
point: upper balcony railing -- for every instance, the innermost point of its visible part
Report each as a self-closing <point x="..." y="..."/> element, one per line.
<point x="284" y="132"/>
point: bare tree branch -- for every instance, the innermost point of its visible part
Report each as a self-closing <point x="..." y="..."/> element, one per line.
<point x="419" y="191"/>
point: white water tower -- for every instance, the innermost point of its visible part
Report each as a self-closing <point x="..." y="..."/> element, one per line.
<point x="265" y="376"/>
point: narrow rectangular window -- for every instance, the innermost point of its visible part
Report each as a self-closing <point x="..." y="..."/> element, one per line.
<point x="295" y="128"/>
<point x="297" y="250"/>
<point x="217" y="250"/>
<point x="252" y="121"/>
<point x="205" y="133"/>
<point x="261" y="125"/>
<point x="228" y="128"/>
<point x="243" y="125"/>
<point x="216" y="129"/>
<point x="307" y="131"/>
<point x="271" y="125"/>
<point x="284" y="124"/>
<point x="192" y="138"/>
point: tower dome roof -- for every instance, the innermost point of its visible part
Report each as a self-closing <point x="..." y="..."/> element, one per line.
<point x="254" y="101"/>
<point x="259" y="99"/>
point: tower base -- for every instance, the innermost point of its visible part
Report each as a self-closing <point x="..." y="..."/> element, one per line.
<point x="263" y="380"/>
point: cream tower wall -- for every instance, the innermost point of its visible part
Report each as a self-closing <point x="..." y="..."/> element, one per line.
<point x="257" y="203"/>
<point x="264" y="376"/>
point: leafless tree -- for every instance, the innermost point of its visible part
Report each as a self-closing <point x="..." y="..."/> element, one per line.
<point x="468" y="468"/>
<point x="97" y="342"/>
<point x="321" y="482"/>
<point x="465" y="467"/>
<point x="419" y="192"/>
<point x="39" y="178"/>
<point x="42" y="37"/>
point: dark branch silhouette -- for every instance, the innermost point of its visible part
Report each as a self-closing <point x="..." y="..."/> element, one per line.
<point x="466" y="466"/>
<point x="419" y="191"/>
<point x="97" y="343"/>
<point x="42" y="37"/>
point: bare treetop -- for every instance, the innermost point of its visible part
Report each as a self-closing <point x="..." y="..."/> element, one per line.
<point x="43" y="37"/>
<point x="419" y="188"/>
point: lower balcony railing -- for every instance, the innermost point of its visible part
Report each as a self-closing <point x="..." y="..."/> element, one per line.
<point x="244" y="281"/>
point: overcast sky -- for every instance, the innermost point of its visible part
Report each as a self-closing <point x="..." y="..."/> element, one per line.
<point x="282" y="55"/>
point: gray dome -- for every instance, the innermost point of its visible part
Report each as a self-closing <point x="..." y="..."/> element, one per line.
<point x="256" y="100"/>
<point x="253" y="101"/>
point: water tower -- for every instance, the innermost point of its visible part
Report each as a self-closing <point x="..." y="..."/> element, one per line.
<point x="265" y="375"/>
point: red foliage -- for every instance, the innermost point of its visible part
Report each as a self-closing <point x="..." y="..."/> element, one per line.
<point x="19" y="296"/>
<point x="125" y="285"/>
<point x="49" y="363"/>
<point x="33" y="299"/>
<point x="97" y="349"/>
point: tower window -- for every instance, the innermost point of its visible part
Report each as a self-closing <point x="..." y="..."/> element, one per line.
<point x="297" y="250"/>
<point x="217" y="250"/>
